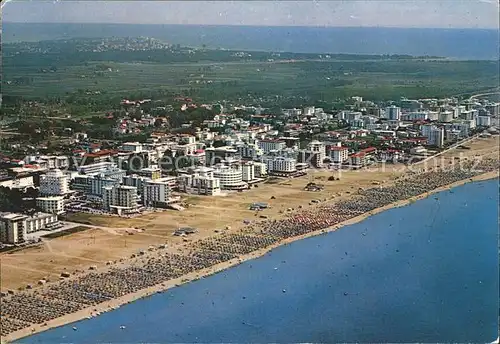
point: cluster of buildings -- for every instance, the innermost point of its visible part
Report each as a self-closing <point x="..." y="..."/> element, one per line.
<point x="228" y="153"/>
<point x="15" y="228"/>
<point x="438" y="120"/>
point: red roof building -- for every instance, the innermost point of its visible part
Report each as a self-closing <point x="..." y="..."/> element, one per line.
<point x="369" y="150"/>
<point x="335" y="148"/>
<point x="103" y="153"/>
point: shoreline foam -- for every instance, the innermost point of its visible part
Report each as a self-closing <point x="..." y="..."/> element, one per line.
<point x="193" y="276"/>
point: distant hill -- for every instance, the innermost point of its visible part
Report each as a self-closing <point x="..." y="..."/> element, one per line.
<point x="479" y="44"/>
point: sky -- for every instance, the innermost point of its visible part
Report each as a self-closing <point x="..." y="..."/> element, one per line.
<point x="334" y="13"/>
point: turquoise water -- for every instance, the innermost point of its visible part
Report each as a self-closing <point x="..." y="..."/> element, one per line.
<point x="427" y="272"/>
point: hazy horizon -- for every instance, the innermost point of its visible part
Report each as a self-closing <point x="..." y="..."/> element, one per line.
<point x="257" y="25"/>
<point x="421" y="14"/>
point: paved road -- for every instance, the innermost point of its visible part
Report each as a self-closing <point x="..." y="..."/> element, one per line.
<point x="483" y="94"/>
<point x="112" y="230"/>
<point x="453" y="146"/>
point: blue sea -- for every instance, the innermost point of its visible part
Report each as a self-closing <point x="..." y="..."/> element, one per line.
<point x="426" y="272"/>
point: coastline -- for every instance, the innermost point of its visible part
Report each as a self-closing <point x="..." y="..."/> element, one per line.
<point x="112" y="304"/>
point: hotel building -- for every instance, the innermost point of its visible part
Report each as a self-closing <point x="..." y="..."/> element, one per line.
<point x="200" y="181"/>
<point x="231" y="177"/>
<point x="339" y="154"/>
<point x="54" y="183"/>
<point x="281" y="165"/>
<point x="120" y="199"/>
<point x="156" y="193"/>
<point x="51" y="204"/>
<point x="271" y="145"/>
<point x="14" y="228"/>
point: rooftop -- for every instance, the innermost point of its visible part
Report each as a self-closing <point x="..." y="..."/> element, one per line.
<point x="272" y="140"/>
<point x="101" y="153"/>
<point x="369" y="150"/>
<point x="223" y="148"/>
<point x="13" y="216"/>
<point x="50" y="198"/>
<point x="150" y="169"/>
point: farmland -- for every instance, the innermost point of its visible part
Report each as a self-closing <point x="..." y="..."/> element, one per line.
<point x="217" y="75"/>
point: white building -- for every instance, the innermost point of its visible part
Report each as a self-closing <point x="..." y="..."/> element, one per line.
<point x="433" y="115"/>
<point x="216" y="155"/>
<point x="200" y="181"/>
<point x="249" y="150"/>
<point x="281" y="164"/>
<point x="18" y="183"/>
<point x="137" y="181"/>
<point x="390" y="133"/>
<point x="445" y="116"/>
<point x="96" y="167"/>
<point x="55" y="161"/>
<point x="426" y="129"/>
<point x="152" y="172"/>
<point x="54" y="183"/>
<point x="317" y="149"/>
<point x="185" y="146"/>
<point x="188" y="139"/>
<point x="469" y="114"/>
<point x="248" y="171"/>
<point x="415" y="116"/>
<point x="464" y="126"/>
<point x="483" y="121"/>
<point x="156" y="193"/>
<point x="393" y="113"/>
<point x="12" y="228"/>
<point x="434" y="135"/>
<point x="39" y="221"/>
<point x="260" y="169"/>
<point x="453" y="134"/>
<point x="51" y="204"/>
<point x="349" y="116"/>
<point x="99" y="182"/>
<point x="231" y="177"/>
<point x="309" y="111"/>
<point x="419" y="150"/>
<point x="292" y="112"/>
<point x="339" y="154"/>
<point x="358" y="159"/>
<point x="15" y="227"/>
<point x="135" y="147"/>
<point x="271" y="145"/>
<point x="120" y="198"/>
<point x="93" y="183"/>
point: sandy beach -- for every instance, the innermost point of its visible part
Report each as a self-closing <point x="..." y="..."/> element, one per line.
<point x="112" y="304"/>
<point x="112" y="239"/>
<point x="114" y="243"/>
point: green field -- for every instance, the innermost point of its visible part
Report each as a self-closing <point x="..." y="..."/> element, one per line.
<point x="320" y="80"/>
